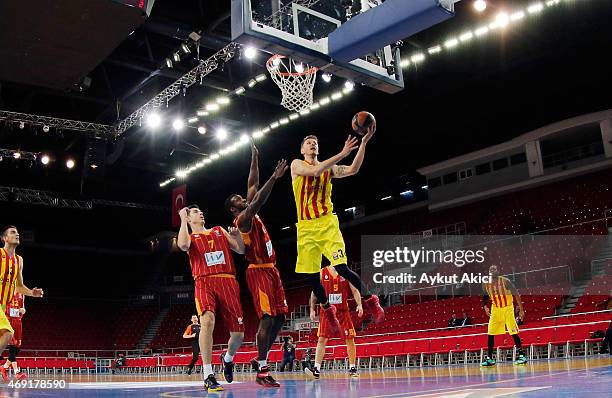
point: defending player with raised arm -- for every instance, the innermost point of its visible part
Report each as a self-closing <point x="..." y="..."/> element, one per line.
<point x="214" y="274"/>
<point x="502" y="293"/>
<point x="11" y="281"/>
<point x="318" y="229"/>
<point x="262" y="276"/>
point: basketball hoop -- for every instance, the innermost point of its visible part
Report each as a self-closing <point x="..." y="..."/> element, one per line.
<point x="295" y="80"/>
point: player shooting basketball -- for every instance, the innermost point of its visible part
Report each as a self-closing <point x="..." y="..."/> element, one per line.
<point x="318" y="229"/>
<point x="262" y="275"/>
<point x="501" y="290"/>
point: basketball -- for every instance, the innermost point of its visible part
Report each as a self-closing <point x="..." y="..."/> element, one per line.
<point x="362" y="121"/>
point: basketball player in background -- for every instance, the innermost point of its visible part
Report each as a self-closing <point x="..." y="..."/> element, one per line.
<point x="11" y="281"/>
<point x="318" y="229"/>
<point x="15" y="312"/>
<point x="262" y="275"/>
<point x="216" y="289"/>
<point x="193" y="333"/>
<point x="501" y="315"/>
<point x="337" y="291"/>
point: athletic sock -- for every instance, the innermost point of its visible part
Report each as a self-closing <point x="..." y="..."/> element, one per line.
<point x="228" y="357"/>
<point x="262" y="363"/>
<point x="317" y="366"/>
<point x="352" y="366"/>
<point x="208" y="370"/>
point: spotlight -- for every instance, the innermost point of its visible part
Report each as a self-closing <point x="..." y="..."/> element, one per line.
<point x="222" y="134"/>
<point x="153" y="120"/>
<point x="250" y="52"/>
<point x="70" y="163"/>
<point x="176" y="57"/>
<point x="185" y="48"/>
<point x="178" y="124"/>
<point x="202" y="130"/>
<point x="94" y="166"/>
<point x="349" y="85"/>
<point x="45" y="159"/>
<point x="46" y="128"/>
<point x="326" y="77"/>
<point x="480" y="5"/>
<point x="244" y="138"/>
<point x="21" y="125"/>
<point x="502" y="19"/>
<point x="17" y="155"/>
<point x="168" y="62"/>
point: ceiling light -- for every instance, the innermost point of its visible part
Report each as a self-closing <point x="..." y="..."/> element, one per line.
<point x="480" y="5"/>
<point x="202" y="113"/>
<point x="192" y="120"/>
<point x="223" y="100"/>
<point x="16" y="155"/>
<point x="260" y="78"/>
<point x="326" y="77"/>
<point x="240" y="90"/>
<point x="202" y="130"/>
<point x="176" y="57"/>
<point x="299" y="68"/>
<point x="250" y="52"/>
<point x="46" y="128"/>
<point x="178" y="124"/>
<point x="168" y="62"/>
<point x="153" y="120"/>
<point x="185" y="48"/>
<point x="21" y="125"/>
<point x="44" y="159"/>
<point x="70" y="163"/>
<point x="349" y="85"/>
<point x="244" y="138"/>
<point x="212" y="107"/>
<point x="433" y="50"/>
<point x="252" y="83"/>
<point x="222" y="134"/>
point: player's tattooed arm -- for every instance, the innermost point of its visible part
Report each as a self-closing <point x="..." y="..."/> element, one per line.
<point x="347" y="171"/>
<point x="299" y="168"/>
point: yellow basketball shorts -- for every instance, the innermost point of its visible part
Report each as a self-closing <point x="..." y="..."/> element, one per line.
<point x="502" y="319"/>
<point x="4" y="322"/>
<point x="316" y="238"/>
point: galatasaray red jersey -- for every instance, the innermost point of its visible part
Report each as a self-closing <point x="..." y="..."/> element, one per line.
<point x="209" y="254"/>
<point x="15" y="305"/>
<point x="257" y="244"/>
<point x="336" y="288"/>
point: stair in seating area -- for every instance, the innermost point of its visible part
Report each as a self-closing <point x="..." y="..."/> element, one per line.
<point x="152" y="329"/>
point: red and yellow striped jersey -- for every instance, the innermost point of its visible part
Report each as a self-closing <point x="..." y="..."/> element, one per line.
<point x="257" y="244"/>
<point x="313" y="195"/>
<point x="209" y="254"/>
<point x="500" y="294"/>
<point x="9" y="268"/>
<point x="15" y="305"/>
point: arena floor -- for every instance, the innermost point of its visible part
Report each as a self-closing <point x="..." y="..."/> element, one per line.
<point x="555" y="378"/>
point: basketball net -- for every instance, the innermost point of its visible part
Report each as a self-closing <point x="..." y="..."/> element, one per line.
<point x="295" y="80"/>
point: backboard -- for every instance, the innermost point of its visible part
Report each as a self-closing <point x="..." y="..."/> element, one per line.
<point x="300" y="29"/>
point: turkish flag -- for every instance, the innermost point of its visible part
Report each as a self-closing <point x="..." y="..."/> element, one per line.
<point x="179" y="200"/>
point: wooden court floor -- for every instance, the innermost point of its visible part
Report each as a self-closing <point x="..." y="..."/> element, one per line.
<point x="588" y="377"/>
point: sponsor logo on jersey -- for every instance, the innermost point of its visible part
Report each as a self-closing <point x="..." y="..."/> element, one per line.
<point x="214" y="258"/>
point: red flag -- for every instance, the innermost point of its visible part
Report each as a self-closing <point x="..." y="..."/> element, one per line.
<point x="179" y="200"/>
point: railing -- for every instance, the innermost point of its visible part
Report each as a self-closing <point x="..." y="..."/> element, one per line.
<point x="577" y="314"/>
<point x="450" y="290"/>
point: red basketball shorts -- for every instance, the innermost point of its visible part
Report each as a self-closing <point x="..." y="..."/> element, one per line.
<point x="266" y="290"/>
<point x="347" y="330"/>
<point x="220" y="294"/>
